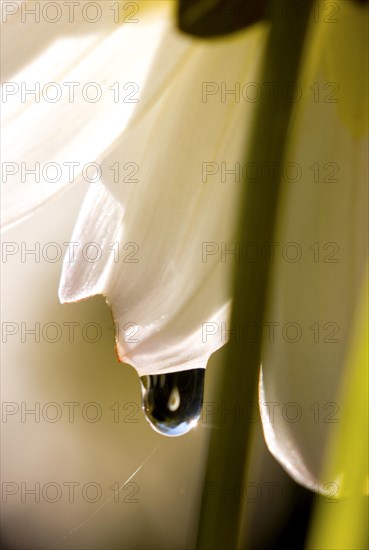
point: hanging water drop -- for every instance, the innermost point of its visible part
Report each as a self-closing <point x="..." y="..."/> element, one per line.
<point x="172" y="402"/>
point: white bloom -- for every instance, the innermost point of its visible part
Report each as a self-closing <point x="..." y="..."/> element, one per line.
<point x="162" y="302"/>
<point x="176" y="215"/>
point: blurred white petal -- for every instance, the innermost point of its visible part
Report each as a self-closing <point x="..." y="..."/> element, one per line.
<point x="83" y="61"/>
<point x="321" y="258"/>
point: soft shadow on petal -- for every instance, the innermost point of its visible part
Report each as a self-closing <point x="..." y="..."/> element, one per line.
<point x="177" y="216"/>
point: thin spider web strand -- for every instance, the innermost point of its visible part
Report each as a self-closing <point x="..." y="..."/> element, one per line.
<point x="72" y="531"/>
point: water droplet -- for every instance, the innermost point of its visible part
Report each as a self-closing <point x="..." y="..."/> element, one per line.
<point x="172" y="402"/>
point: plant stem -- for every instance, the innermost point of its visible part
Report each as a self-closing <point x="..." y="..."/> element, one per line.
<point x="229" y="445"/>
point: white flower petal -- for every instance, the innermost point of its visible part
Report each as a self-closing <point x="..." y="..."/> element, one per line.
<point x="84" y="61"/>
<point x="54" y="379"/>
<point x="321" y="255"/>
<point x="161" y="302"/>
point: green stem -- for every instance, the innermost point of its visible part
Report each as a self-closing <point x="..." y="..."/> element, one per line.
<point x="229" y="445"/>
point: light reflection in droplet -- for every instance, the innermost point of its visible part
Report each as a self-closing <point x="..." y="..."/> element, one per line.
<point x="172" y="402"/>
